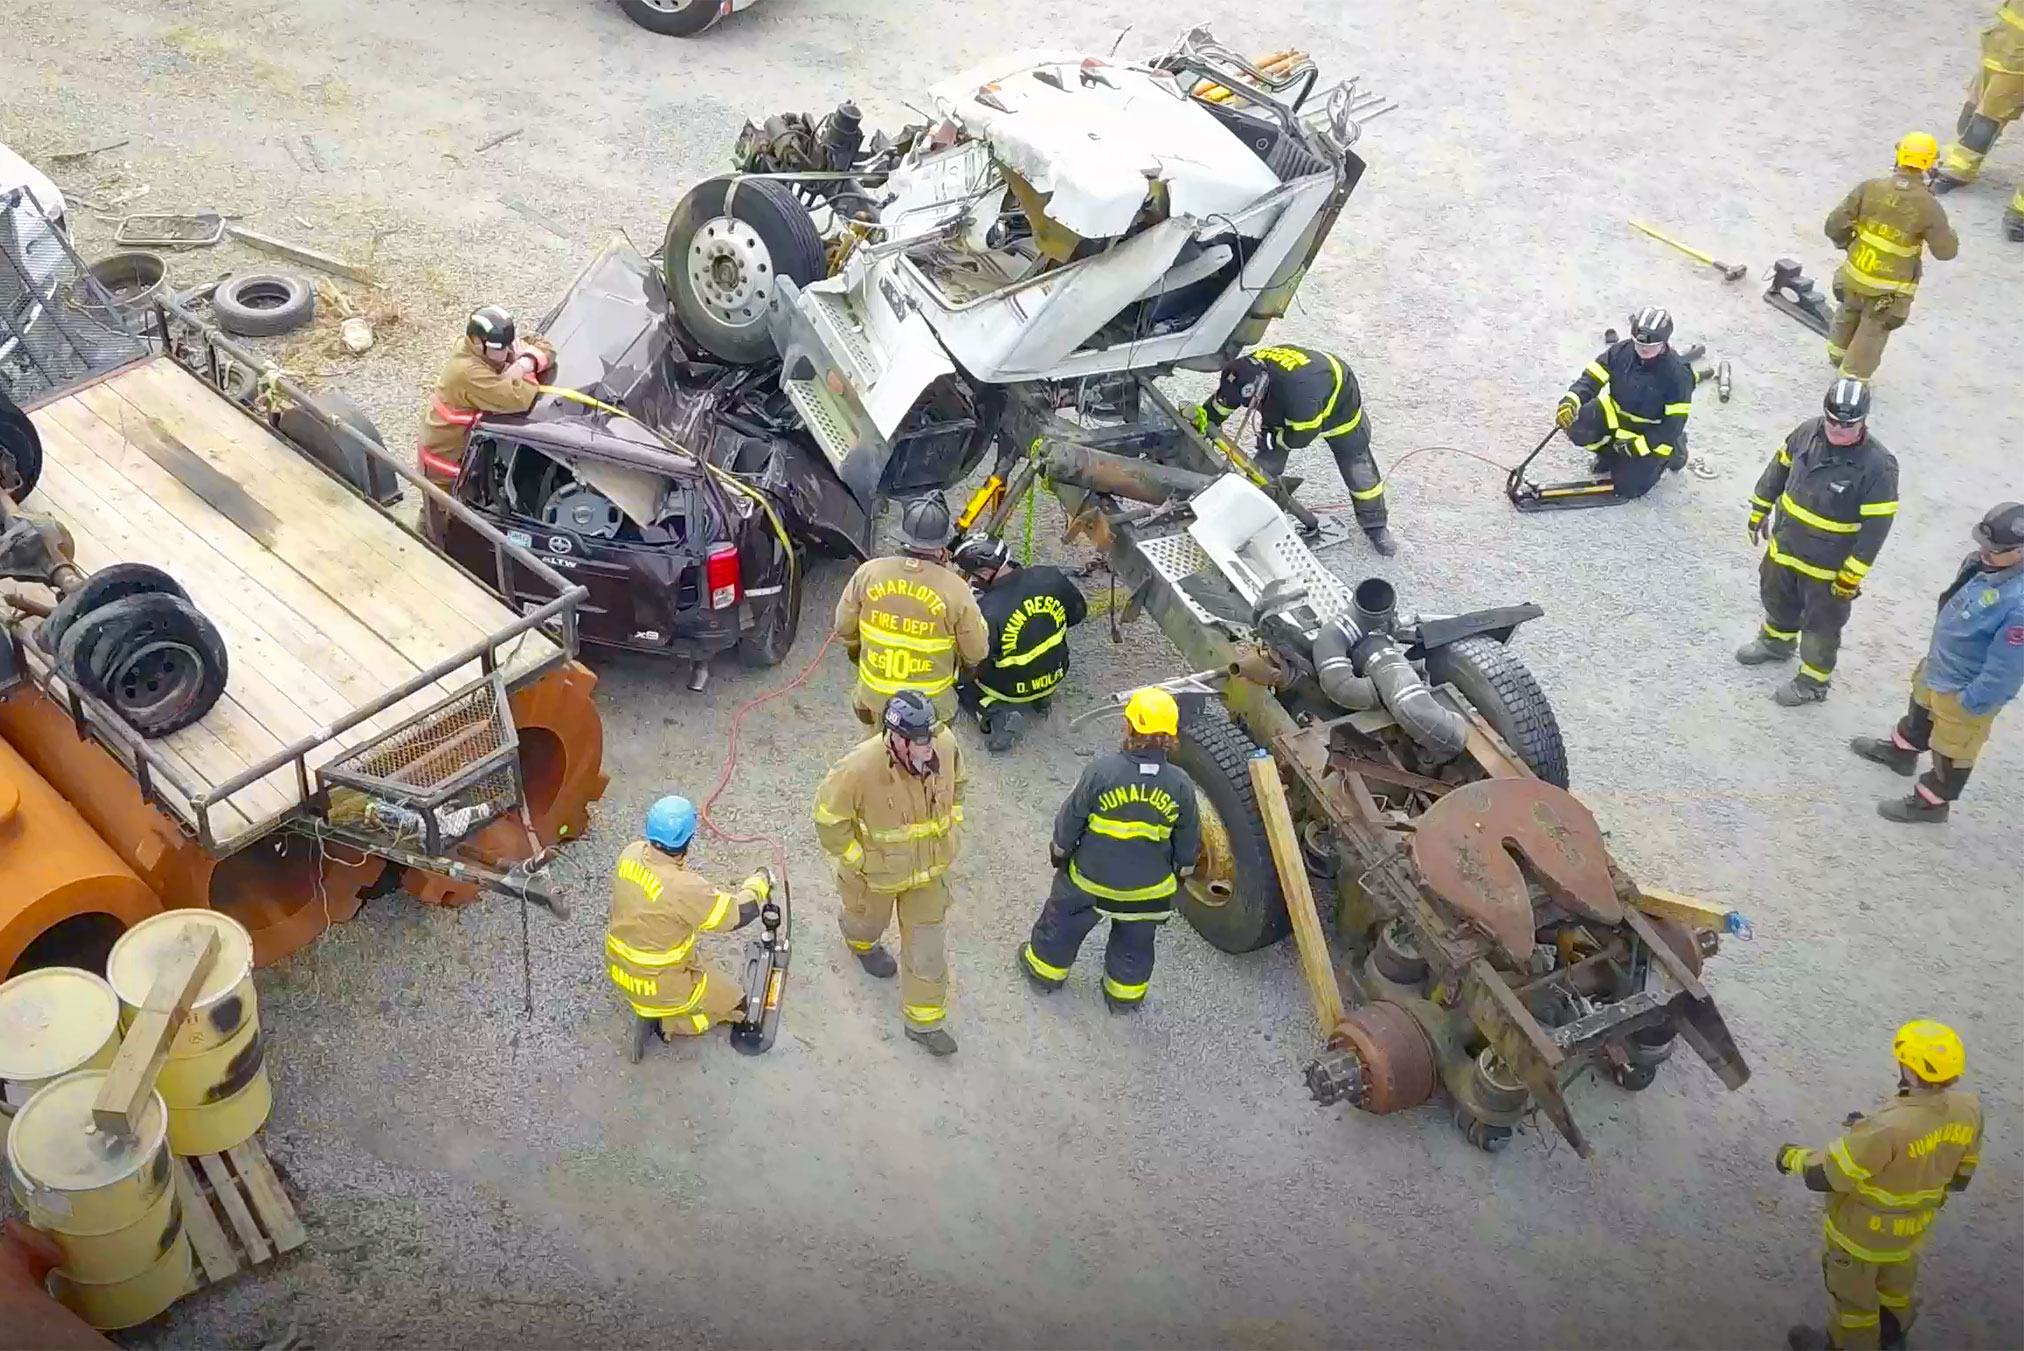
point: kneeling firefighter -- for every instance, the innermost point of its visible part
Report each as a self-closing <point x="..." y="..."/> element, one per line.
<point x="1027" y="613"/>
<point x="658" y="907"/>
<point x="493" y="371"/>
<point x="1122" y="841"/>
<point x="1628" y="408"/>
<point x="1303" y="395"/>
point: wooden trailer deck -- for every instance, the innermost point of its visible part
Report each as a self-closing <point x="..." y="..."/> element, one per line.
<point x="325" y="604"/>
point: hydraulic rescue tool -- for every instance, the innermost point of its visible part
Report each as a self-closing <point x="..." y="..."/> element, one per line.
<point x="765" y="973"/>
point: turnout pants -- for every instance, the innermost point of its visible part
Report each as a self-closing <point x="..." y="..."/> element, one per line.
<point x="924" y="963"/>
<point x="1995" y="98"/>
<point x="980" y="702"/>
<point x="714" y="1000"/>
<point x="1869" y="1299"/>
<point x="1353" y="459"/>
<point x="1066" y="919"/>
<point x="1801" y="609"/>
<point x="1630" y="474"/>
<point x="1936" y="722"/>
<point x="1862" y="325"/>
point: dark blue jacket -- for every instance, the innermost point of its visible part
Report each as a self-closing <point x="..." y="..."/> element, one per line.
<point x="1977" y="650"/>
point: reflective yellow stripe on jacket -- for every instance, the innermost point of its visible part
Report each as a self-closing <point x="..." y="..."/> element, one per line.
<point x="885" y="666"/>
<point x="675" y="1010"/>
<point x="1805" y="517"/>
<point x="933" y="828"/>
<point x="1786" y="560"/>
<point x="641" y="957"/>
<point x="1129" y="830"/>
<point x="1309" y="424"/>
<point x="1158" y="890"/>
<point x="1047" y="644"/>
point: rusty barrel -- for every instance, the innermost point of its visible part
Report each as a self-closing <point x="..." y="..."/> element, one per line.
<point x="109" y="1201"/>
<point x="214" y="1080"/>
<point x="52" y="1022"/>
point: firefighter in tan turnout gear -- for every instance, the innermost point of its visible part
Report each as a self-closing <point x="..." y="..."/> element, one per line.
<point x="658" y="907"/>
<point x="1885" y="225"/>
<point x="890" y="813"/>
<point x="494" y="371"/>
<point x="909" y="622"/>
<point x="1887" y="1175"/>
<point x="1995" y="98"/>
<point x="1826" y="502"/>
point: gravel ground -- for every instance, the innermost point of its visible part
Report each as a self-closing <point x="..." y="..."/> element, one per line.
<point x="471" y="1177"/>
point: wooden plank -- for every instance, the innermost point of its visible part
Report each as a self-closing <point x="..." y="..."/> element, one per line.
<point x="270" y="1202"/>
<point x="1307" y="935"/>
<point x="131" y="1080"/>
<point x="323" y="262"/>
<point x="226" y="1189"/>
<point x="1687" y="910"/>
<point x="200" y="1222"/>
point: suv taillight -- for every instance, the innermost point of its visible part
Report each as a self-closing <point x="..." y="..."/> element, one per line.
<point x="721" y="576"/>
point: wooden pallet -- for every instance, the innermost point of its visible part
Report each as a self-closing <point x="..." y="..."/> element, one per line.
<point x="259" y="1223"/>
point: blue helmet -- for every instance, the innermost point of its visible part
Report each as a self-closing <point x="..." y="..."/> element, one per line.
<point x="671" y="823"/>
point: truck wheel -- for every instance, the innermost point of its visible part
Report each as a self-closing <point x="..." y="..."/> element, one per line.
<point x="1504" y="692"/>
<point x="671" y="18"/>
<point x="154" y="658"/>
<point x="1233" y="900"/>
<point x="779" y="619"/>
<point x="723" y="255"/>
<point x="108" y="584"/>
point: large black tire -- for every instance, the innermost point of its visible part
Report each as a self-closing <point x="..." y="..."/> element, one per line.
<point x="1216" y="754"/>
<point x="772" y="634"/>
<point x="261" y="304"/>
<point x="154" y="658"/>
<point x="721" y="298"/>
<point x="114" y="582"/>
<point x="1503" y="691"/>
<point x="671" y="18"/>
<point x="370" y="476"/>
<point x="20" y="447"/>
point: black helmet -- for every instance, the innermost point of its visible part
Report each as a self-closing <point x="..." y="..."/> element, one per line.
<point x="908" y="714"/>
<point x="924" y="523"/>
<point x="491" y="326"/>
<point x="2003" y="528"/>
<point x="977" y="555"/>
<point x="1847" y="400"/>
<point x="1651" y="324"/>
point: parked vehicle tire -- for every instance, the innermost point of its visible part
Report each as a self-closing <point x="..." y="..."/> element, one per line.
<point x="261" y="304"/>
<point x="772" y="634"/>
<point x="20" y="450"/>
<point x="154" y="658"/>
<point x="108" y="584"/>
<point x="671" y="18"/>
<point x="355" y="467"/>
<point x="1233" y="900"/>
<point x="1492" y="678"/>
<point x="724" y="252"/>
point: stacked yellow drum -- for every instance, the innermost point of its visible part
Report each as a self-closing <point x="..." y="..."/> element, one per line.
<point x="52" y="1022"/>
<point x="214" y="1081"/>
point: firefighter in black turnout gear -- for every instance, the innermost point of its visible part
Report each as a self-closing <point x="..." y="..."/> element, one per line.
<point x="1629" y="407"/>
<point x="1303" y="395"/>
<point x="1027" y="614"/>
<point x="1834" y="491"/>
<point x="1122" y="842"/>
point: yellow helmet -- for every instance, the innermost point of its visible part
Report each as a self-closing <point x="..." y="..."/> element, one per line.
<point x="1152" y="710"/>
<point x="1930" y="1050"/>
<point x="1918" y="151"/>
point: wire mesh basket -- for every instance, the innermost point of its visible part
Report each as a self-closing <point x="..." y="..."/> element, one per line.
<point x="58" y="325"/>
<point x="435" y="778"/>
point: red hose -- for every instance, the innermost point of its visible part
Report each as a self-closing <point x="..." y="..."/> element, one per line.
<point x="731" y="761"/>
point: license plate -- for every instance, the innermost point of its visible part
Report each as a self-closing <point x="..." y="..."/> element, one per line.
<point x="520" y="539"/>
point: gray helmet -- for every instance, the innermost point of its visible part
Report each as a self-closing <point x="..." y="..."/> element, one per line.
<point x="925" y="524"/>
<point x="491" y="326"/>
<point x="909" y="715"/>
<point x="1651" y="324"/>
<point x="2003" y="528"/>
<point x="1847" y="400"/>
<point x="977" y="555"/>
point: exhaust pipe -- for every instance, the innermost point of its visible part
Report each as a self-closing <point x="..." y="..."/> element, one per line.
<point x="1359" y="664"/>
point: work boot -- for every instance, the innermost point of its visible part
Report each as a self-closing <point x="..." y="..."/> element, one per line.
<point x="1761" y="649"/>
<point x="1003" y="730"/>
<point x="1797" y="693"/>
<point x="1382" y="540"/>
<point x="1912" y="810"/>
<point x="1886" y="752"/>
<point x="1803" y="1338"/>
<point x="2013" y="225"/>
<point x="936" y="1039"/>
<point x="877" y="961"/>
<point x="1034" y="978"/>
<point x="1122" y="1005"/>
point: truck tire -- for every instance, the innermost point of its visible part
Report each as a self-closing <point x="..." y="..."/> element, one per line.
<point x="1233" y="900"/>
<point x="671" y="18"/>
<point x="154" y="658"/>
<point x="261" y="304"/>
<point x="114" y="582"/>
<point x="723" y="253"/>
<point x="349" y="463"/>
<point x="20" y="446"/>
<point x="1504" y="692"/>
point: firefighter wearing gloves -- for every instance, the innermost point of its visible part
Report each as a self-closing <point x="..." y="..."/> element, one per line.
<point x="1887" y="1176"/>
<point x="1302" y="396"/>
<point x="658" y="907"/>
<point x="908" y="622"/>
<point x="1027" y="613"/>
<point x="493" y="371"/>
<point x="1826" y="502"/>
<point x="1629" y="407"/>
<point x="1884" y="224"/>
<point x="1995" y="98"/>
<point x="1973" y="666"/>
<point x="1122" y="841"/>
<point x="890" y="813"/>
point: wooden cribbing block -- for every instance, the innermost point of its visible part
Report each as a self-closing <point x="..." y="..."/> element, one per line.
<point x="146" y="1045"/>
<point x="1307" y="935"/>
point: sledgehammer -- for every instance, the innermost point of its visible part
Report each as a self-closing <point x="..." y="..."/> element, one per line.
<point x="1729" y="271"/>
